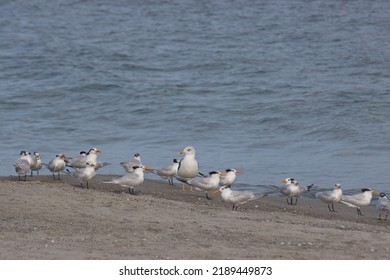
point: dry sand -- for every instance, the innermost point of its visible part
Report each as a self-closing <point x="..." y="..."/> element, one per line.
<point x="47" y="219"/>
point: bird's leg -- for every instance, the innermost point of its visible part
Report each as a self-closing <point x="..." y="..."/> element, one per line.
<point x="81" y="184"/>
<point x="54" y="177"/>
<point x="288" y="201"/>
<point x="296" y="200"/>
<point x="236" y="207"/>
<point x="25" y="177"/>
<point x="87" y="185"/>
<point x="330" y="209"/>
<point x="59" y="175"/>
<point x="184" y="189"/>
<point x="380" y="217"/>
<point x="207" y="195"/>
<point x="233" y="207"/>
<point x="359" y="212"/>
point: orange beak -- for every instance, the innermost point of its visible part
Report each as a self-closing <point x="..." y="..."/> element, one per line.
<point x="217" y="191"/>
<point x="148" y="167"/>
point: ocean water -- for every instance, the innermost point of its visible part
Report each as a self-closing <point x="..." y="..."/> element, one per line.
<point x="275" y="89"/>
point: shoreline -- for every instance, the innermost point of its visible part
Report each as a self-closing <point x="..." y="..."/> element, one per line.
<point x="47" y="219"/>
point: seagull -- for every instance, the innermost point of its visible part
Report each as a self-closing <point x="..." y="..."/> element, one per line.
<point x="188" y="166"/>
<point x="132" y="179"/>
<point x="128" y="165"/>
<point x="204" y="183"/>
<point x="168" y="172"/>
<point x="383" y="205"/>
<point x="22" y="167"/>
<point x="229" y="178"/>
<point x="83" y="174"/>
<point x="359" y="200"/>
<point x="236" y="197"/>
<point x="36" y="164"/>
<point x="57" y="165"/>
<point x="331" y="197"/>
<point x="292" y="189"/>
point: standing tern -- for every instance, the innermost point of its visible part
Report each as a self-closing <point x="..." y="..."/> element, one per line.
<point x="331" y="197"/>
<point x="84" y="174"/>
<point x="292" y="189"/>
<point x="359" y="200"/>
<point x="236" y="197"/>
<point x="168" y="172"/>
<point x="383" y="205"/>
<point x="188" y="165"/>
<point x="204" y="183"/>
<point x="229" y="178"/>
<point x="22" y="167"/>
<point x="36" y="164"/>
<point x="76" y="161"/>
<point x="128" y="165"/>
<point x="133" y="179"/>
<point x="57" y="165"/>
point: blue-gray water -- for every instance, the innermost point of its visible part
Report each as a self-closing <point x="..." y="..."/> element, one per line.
<point x="274" y="88"/>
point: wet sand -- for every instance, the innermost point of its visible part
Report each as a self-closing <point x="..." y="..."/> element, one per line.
<point x="47" y="219"/>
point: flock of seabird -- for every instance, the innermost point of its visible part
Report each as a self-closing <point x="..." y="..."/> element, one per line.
<point x="83" y="168"/>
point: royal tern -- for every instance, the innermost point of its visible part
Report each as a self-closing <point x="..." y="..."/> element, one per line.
<point x="188" y="166"/>
<point x="236" y="197"/>
<point x="84" y="174"/>
<point x="168" y="172"/>
<point x="84" y="157"/>
<point x="27" y="156"/>
<point x="292" y="189"/>
<point x="359" y="200"/>
<point x="208" y="183"/>
<point x="36" y="164"/>
<point x="331" y="197"/>
<point x="383" y="205"/>
<point x="81" y="161"/>
<point x="57" y="165"/>
<point x="229" y="178"/>
<point x="133" y="179"/>
<point x="76" y="161"/>
<point x="22" y="167"/>
<point x="128" y="165"/>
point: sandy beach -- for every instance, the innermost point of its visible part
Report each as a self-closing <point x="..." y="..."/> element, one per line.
<point x="47" y="219"/>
